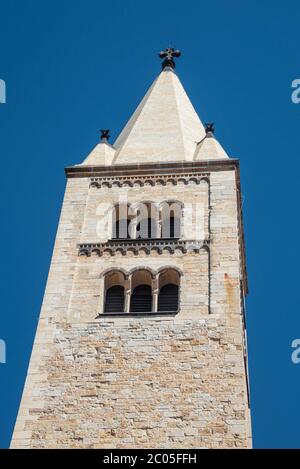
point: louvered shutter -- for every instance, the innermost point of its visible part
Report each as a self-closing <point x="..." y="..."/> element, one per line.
<point x="141" y="299"/>
<point x="114" y="300"/>
<point x="168" y="298"/>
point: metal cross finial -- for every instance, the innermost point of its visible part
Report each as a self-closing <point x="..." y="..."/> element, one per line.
<point x="210" y="129"/>
<point x="168" y="55"/>
<point x="104" y="135"/>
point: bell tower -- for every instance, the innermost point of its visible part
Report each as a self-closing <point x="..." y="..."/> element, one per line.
<point x="141" y="336"/>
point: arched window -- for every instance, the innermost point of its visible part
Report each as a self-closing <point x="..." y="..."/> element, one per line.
<point x="121" y="228"/>
<point x="141" y="292"/>
<point x="147" y="217"/>
<point x="121" y="222"/>
<point x="147" y="228"/>
<point x="168" y="297"/>
<point x="171" y="214"/>
<point x="114" y="300"/>
<point x="175" y="223"/>
<point x="141" y="299"/>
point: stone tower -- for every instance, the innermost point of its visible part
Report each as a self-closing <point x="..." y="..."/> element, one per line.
<point x="141" y="336"/>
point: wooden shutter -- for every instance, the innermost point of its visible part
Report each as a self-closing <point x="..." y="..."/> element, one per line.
<point x="168" y="298"/>
<point x="141" y="299"/>
<point x="114" y="300"/>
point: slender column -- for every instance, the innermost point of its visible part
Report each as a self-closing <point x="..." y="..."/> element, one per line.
<point x="181" y="222"/>
<point x="110" y="220"/>
<point x="133" y="225"/>
<point x="154" y="294"/>
<point x="133" y="222"/>
<point x="158" y="222"/>
<point x="101" y="296"/>
<point x="159" y="226"/>
<point x="127" y="293"/>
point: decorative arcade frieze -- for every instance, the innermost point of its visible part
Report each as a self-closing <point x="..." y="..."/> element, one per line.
<point x="153" y="180"/>
<point x="135" y="245"/>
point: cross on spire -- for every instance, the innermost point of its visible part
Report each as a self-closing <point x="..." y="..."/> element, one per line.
<point x="104" y="135"/>
<point x="209" y="129"/>
<point x="168" y="55"/>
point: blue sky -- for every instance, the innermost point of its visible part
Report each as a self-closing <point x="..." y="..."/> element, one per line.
<point x="74" y="67"/>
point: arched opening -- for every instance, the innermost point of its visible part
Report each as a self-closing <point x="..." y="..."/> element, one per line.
<point x="175" y="222"/>
<point x="168" y="296"/>
<point x="141" y="299"/>
<point x="171" y="214"/>
<point x="146" y="228"/>
<point x="147" y="218"/>
<point x="120" y="229"/>
<point x="121" y="219"/>
<point x="141" y="291"/>
<point x="114" y="300"/>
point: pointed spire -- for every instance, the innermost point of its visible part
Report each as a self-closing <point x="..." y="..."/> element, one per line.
<point x="209" y="148"/>
<point x="103" y="153"/>
<point x="164" y="127"/>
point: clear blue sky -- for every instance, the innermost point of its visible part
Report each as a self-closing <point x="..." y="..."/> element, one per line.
<point x="74" y="67"/>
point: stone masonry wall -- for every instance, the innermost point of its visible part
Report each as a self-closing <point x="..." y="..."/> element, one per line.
<point x="158" y="381"/>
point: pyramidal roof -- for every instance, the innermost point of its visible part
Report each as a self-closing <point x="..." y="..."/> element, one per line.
<point x="101" y="155"/>
<point x="210" y="149"/>
<point x="164" y="127"/>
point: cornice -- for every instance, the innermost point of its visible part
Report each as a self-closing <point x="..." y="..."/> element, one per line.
<point x="151" y="168"/>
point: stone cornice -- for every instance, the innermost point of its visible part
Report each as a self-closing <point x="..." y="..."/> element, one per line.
<point x="152" y="169"/>
<point x="146" y="245"/>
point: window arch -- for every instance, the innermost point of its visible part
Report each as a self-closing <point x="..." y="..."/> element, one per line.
<point x="121" y="218"/>
<point x="141" y="291"/>
<point x="141" y="299"/>
<point x="147" y="220"/>
<point x="168" y="296"/>
<point x="114" y="299"/>
<point x="170" y="219"/>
